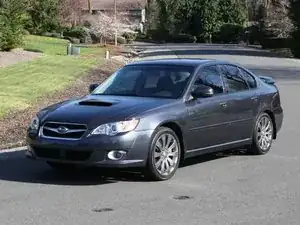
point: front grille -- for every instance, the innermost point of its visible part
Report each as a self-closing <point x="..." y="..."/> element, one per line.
<point x="63" y="130"/>
<point x="63" y="154"/>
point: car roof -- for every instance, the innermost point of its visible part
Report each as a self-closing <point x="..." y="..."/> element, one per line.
<point x="176" y="61"/>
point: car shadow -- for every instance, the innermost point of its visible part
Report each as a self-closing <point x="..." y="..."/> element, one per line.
<point x="213" y="156"/>
<point x="15" y="167"/>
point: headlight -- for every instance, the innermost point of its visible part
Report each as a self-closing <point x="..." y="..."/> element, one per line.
<point x="35" y="123"/>
<point x="112" y="129"/>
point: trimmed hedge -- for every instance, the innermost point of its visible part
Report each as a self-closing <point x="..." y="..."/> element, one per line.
<point x="253" y="34"/>
<point x="183" y="38"/>
<point x="295" y="44"/>
<point x="158" y="35"/>
<point x="276" y="43"/>
<point x="76" y="32"/>
<point x="231" y="33"/>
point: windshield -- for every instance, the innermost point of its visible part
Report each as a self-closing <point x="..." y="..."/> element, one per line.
<point x="160" y="81"/>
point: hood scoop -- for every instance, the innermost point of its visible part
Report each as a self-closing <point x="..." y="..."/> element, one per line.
<point x="92" y="102"/>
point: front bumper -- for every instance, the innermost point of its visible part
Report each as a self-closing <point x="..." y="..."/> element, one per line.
<point x="92" y="151"/>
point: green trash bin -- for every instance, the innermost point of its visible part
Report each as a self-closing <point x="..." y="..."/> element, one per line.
<point x="75" y="50"/>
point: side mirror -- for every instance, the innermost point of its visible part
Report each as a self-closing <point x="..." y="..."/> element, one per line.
<point x="93" y="87"/>
<point x="202" y="92"/>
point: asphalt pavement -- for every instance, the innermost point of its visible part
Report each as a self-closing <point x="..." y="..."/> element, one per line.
<point x="224" y="189"/>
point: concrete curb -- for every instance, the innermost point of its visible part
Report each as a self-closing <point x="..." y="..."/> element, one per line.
<point x="13" y="150"/>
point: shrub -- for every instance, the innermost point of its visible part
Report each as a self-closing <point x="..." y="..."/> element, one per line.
<point x="295" y="16"/>
<point x="253" y="34"/>
<point x="26" y="32"/>
<point x="276" y="43"/>
<point x="76" y="32"/>
<point x="183" y="38"/>
<point x="130" y="36"/>
<point x="12" y="19"/>
<point x="158" y="35"/>
<point x="295" y="45"/>
<point x="87" y="24"/>
<point x="231" y="33"/>
<point x="54" y="35"/>
<point x="122" y="40"/>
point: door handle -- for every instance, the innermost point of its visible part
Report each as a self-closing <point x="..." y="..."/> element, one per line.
<point x="223" y="104"/>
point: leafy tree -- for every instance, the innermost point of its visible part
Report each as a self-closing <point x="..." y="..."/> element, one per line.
<point x="44" y="16"/>
<point x="210" y="20"/>
<point x="198" y="17"/>
<point x="185" y="17"/>
<point x="167" y="12"/>
<point x="12" y="19"/>
<point x="233" y="11"/>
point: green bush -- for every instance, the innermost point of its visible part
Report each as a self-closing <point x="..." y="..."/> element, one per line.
<point x="231" y="33"/>
<point x="76" y="32"/>
<point x="295" y="16"/>
<point x="253" y="34"/>
<point x="130" y="36"/>
<point x="12" y="16"/>
<point x="182" y="38"/>
<point x="121" y="40"/>
<point x="157" y="35"/>
<point x="54" y="35"/>
<point x="275" y="43"/>
<point x="295" y="44"/>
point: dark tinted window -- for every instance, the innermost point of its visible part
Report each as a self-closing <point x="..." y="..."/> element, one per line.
<point x="147" y="81"/>
<point x="249" y="78"/>
<point x="233" y="79"/>
<point x="211" y="77"/>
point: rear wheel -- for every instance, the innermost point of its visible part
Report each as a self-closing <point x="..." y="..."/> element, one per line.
<point x="262" y="135"/>
<point x="164" y="155"/>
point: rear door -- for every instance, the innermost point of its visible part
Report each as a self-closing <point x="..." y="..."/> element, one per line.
<point x="243" y="101"/>
<point x="207" y="117"/>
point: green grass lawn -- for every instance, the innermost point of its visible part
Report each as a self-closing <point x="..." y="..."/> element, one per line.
<point x="22" y="83"/>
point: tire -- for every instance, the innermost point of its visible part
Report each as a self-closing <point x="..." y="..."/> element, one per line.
<point x="165" y="157"/>
<point x="62" y="167"/>
<point x="260" y="147"/>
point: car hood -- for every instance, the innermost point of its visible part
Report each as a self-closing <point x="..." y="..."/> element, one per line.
<point x="95" y="109"/>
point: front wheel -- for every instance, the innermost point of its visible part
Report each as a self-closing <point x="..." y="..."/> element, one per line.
<point x="164" y="155"/>
<point x="262" y="135"/>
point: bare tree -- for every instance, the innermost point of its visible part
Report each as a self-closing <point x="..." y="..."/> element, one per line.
<point x="89" y="6"/>
<point x="70" y="12"/>
<point x="273" y="15"/>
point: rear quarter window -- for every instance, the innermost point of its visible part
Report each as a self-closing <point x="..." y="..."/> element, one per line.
<point x="249" y="78"/>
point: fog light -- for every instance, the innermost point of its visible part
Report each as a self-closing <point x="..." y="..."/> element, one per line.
<point x="116" y="155"/>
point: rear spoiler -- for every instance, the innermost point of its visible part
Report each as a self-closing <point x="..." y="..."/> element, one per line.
<point x="267" y="80"/>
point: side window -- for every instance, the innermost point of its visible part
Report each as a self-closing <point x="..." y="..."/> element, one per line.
<point x="249" y="78"/>
<point x="233" y="79"/>
<point x="211" y="77"/>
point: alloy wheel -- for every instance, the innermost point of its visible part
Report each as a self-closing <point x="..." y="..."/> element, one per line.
<point x="264" y="133"/>
<point x="166" y="154"/>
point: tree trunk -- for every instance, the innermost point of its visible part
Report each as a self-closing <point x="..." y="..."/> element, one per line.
<point x="89" y="6"/>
